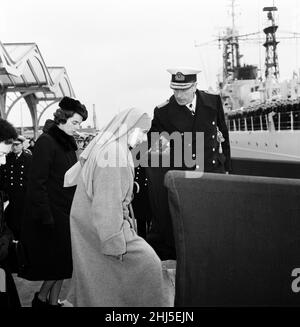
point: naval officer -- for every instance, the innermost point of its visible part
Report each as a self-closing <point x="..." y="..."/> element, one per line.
<point x="187" y="110"/>
<point x="15" y="175"/>
<point x="192" y="110"/>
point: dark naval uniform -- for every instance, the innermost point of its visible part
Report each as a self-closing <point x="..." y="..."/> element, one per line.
<point x="15" y="175"/>
<point x="140" y="203"/>
<point x="208" y="118"/>
<point x="170" y="117"/>
<point x="10" y="298"/>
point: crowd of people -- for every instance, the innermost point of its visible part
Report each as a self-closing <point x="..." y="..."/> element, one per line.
<point x="276" y="106"/>
<point x="71" y="205"/>
<point x="272" y="115"/>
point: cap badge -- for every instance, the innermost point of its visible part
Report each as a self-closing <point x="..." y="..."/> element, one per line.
<point x="179" y="77"/>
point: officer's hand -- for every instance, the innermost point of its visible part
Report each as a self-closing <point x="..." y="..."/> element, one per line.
<point x="164" y="145"/>
<point x="161" y="144"/>
<point x="164" y="141"/>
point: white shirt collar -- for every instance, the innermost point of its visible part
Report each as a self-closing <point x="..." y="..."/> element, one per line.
<point x="192" y="105"/>
<point x="19" y="154"/>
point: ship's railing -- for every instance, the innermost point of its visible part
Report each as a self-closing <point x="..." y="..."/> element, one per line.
<point x="272" y="121"/>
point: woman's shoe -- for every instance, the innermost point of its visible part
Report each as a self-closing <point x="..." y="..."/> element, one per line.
<point x="37" y="303"/>
<point x="60" y="303"/>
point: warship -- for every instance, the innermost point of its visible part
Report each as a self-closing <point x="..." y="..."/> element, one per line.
<point x="262" y="112"/>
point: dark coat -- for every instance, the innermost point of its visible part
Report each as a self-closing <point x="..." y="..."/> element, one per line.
<point x="10" y="298"/>
<point x="5" y="234"/>
<point x="171" y="117"/>
<point x="15" y="176"/>
<point x="140" y="203"/>
<point x="45" y="232"/>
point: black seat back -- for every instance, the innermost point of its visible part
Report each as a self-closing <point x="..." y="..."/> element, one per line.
<point x="237" y="239"/>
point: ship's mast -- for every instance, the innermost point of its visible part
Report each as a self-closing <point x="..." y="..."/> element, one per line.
<point x="231" y="53"/>
<point x="271" y="60"/>
<point x="233" y="14"/>
<point x="94" y="117"/>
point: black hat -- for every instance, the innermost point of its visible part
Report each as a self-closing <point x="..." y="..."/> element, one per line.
<point x="21" y="138"/>
<point x="7" y="131"/>
<point x="74" y="105"/>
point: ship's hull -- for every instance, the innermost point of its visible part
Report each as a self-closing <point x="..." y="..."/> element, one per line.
<point x="274" y="145"/>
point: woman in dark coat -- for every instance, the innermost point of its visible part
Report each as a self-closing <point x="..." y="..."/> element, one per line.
<point x="45" y="231"/>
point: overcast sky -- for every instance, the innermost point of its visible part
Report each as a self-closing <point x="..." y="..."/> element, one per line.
<point x="116" y="52"/>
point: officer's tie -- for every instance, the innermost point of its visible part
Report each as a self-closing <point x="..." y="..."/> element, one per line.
<point x="190" y="107"/>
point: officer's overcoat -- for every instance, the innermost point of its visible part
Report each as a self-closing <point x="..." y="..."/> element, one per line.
<point x="171" y="117"/>
<point x="15" y="176"/>
<point x="209" y="115"/>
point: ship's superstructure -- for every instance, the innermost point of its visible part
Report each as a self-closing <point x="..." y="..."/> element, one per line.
<point x="263" y="114"/>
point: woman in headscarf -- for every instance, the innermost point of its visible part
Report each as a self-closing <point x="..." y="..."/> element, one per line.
<point x="112" y="265"/>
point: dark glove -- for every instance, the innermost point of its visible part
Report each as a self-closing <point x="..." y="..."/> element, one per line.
<point x="4" y="243"/>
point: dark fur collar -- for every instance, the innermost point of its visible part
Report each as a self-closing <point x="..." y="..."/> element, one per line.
<point x="66" y="141"/>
